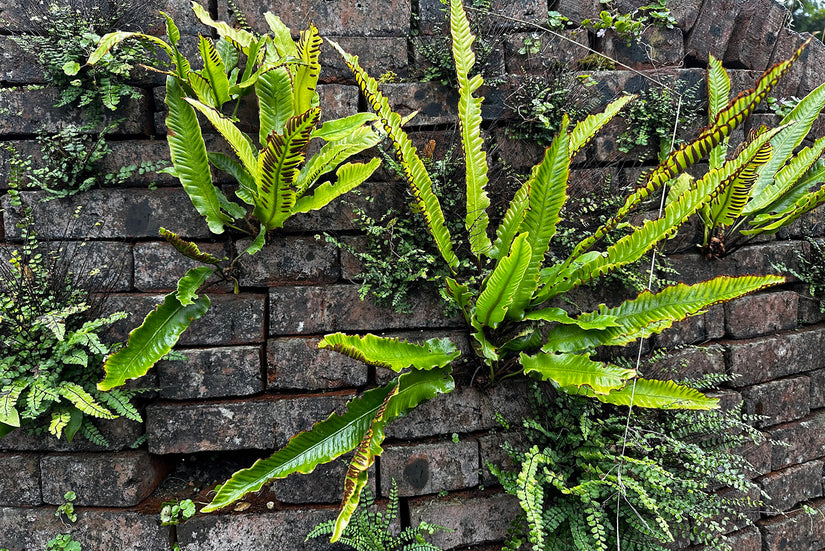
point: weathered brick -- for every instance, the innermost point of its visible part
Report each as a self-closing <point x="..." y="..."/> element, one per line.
<point x="522" y="155"/>
<point x="579" y="10"/>
<point x="695" y="329"/>
<point x="688" y="363"/>
<point x="492" y="453"/>
<point x="94" y="529"/>
<point x="365" y="18"/>
<point x="284" y="529"/>
<point x="120" y="433"/>
<point x="159" y="266"/>
<point x="103" y="480"/>
<point x="296" y="363"/>
<point x="789" y="486"/>
<point x="812" y="68"/>
<point x="787" y="43"/>
<point x="761" y="314"/>
<point x="17" y="65"/>
<point x="125" y="213"/>
<point x="30" y="111"/>
<point x="754" y="259"/>
<point x="311" y="309"/>
<point x="470" y="520"/>
<point x="553" y="50"/>
<point x="290" y="259"/>
<point x="755" y="33"/>
<point x="135" y="152"/>
<point x="463" y="410"/>
<point x="437" y="104"/>
<point x="300" y="414"/>
<point x="323" y="485"/>
<point x="794" y="531"/>
<point x="231" y="319"/>
<point x="430" y="468"/>
<point x="20" y="480"/>
<point x="378" y="55"/>
<point x="758" y="455"/>
<point x="338" y="101"/>
<point x="747" y="539"/>
<point x="211" y="373"/>
<point x="685" y="12"/>
<point x="803" y="440"/>
<point x="817" y="389"/>
<point x="658" y="47"/>
<point x="181" y="12"/>
<point x="765" y="358"/>
<point x="713" y="29"/>
<point x="189" y="428"/>
<point x="778" y="401"/>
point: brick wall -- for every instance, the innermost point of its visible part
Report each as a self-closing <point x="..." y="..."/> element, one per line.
<point x="253" y="377"/>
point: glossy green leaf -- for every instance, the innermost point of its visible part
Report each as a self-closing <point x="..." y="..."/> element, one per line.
<point x="347" y="178"/>
<point x="152" y="340"/>
<point x="306" y="73"/>
<point x="500" y="288"/>
<point x="236" y="139"/>
<point x="275" y="101"/>
<point x="718" y="94"/>
<point x="572" y="370"/>
<point x="246" y="182"/>
<point x="652" y="393"/>
<point x="214" y="71"/>
<point x="392" y="353"/>
<point x="191" y="282"/>
<point x="587" y="129"/>
<point x="341" y="129"/>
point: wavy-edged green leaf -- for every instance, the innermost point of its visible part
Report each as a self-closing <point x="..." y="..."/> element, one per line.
<point x="510" y="224"/>
<point x="504" y="281"/>
<point x="806" y="204"/>
<point x="306" y="73"/>
<point x="275" y="101"/>
<point x="110" y="40"/>
<point x="546" y="197"/>
<point x="576" y="370"/>
<point x="558" y="315"/>
<point x="347" y="178"/>
<point x="281" y="36"/>
<point x="630" y="248"/>
<point x="356" y="477"/>
<point x="191" y="282"/>
<point x="469" y="117"/>
<point x="391" y="353"/>
<point x="236" y="139"/>
<point x="414" y="171"/>
<point x="187" y="248"/>
<point x="257" y="243"/>
<point x="152" y="340"/>
<point x="653" y="393"/>
<point x="802" y="116"/>
<point x="729" y="118"/>
<point x="241" y="38"/>
<point x="727" y="207"/>
<point x="83" y="401"/>
<point x="214" y="71"/>
<point x="484" y="347"/>
<point x="246" y="182"/>
<point x="340" y="129"/>
<point x="461" y="295"/>
<point x="718" y="94"/>
<point x="333" y="154"/>
<point x="188" y="152"/>
<point x="335" y="436"/>
<point x="9" y="395"/>
<point x="586" y="130"/>
<point x="651" y="313"/>
<point x="278" y="170"/>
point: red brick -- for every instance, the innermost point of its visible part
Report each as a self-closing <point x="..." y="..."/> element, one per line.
<point x="284" y="529"/>
<point x="471" y="520"/>
<point x="813" y="67"/>
<point x="159" y="266"/>
<point x="211" y="373"/>
<point x="181" y="12"/>
<point x="430" y="468"/>
<point x="779" y="401"/>
<point x="751" y="260"/>
<point x="438" y="104"/>
<point x="296" y="363"/>
<point x="758" y="454"/>
<point x="799" y="441"/>
<point x="338" y="101"/>
<point x="765" y="358"/>
<point x="311" y="309"/>
<point x="190" y="428"/>
<point x="288" y="260"/>
<point x="323" y="485"/>
<point x="366" y="18"/>
<point x="787" y="43"/>
<point x="578" y="10"/>
<point x="794" y="531"/>
<point x="378" y="55"/>
<point x="761" y="314"/>
<point x="789" y="486"/>
<point x="818" y="389"/>
<point x="492" y="453"/>
<point x="690" y="362"/>
<point x="695" y="329"/>
<point x="20" y="480"/>
<point x="104" y="480"/>
<point x="94" y="529"/>
<point x="135" y="152"/>
<point x="296" y="415"/>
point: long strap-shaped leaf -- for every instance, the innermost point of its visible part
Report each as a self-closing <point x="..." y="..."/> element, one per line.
<point x="241" y="38"/>
<point x="510" y="224"/>
<point x="306" y="74"/>
<point x="188" y="152"/>
<point x="334" y="153"/>
<point x="728" y="205"/>
<point x="728" y="119"/>
<point x="718" y="93"/>
<point x="797" y="192"/>
<point x="630" y="248"/>
<point x="335" y="436"/>
<point x="392" y="353"/>
<point x="587" y="129"/>
<point x="572" y="370"/>
<point x="274" y="89"/>
<point x="232" y="134"/>
<point x="501" y="286"/>
<point x="214" y="71"/>
<point x="652" y="313"/>
<point x="414" y="170"/>
<point x="278" y="169"/>
<point x="469" y="117"/>
<point x="806" y="204"/>
<point x="652" y="393"/>
<point x="348" y="177"/>
<point x="148" y="343"/>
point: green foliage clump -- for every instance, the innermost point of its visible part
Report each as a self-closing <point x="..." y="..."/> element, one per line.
<point x="630" y="26"/>
<point x="176" y="512"/>
<point x="372" y="530"/>
<point x="587" y="477"/>
<point x="63" y="34"/>
<point x="50" y="349"/>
